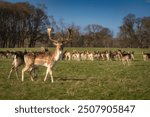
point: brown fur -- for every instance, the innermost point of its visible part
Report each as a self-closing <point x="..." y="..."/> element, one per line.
<point x="125" y="57"/>
<point x="42" y="59"/>
<point x="18" y="60"/>
<point x="146" y="56"/>
<point x="45" y="58"/>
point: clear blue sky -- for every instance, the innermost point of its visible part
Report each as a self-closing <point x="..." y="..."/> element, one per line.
<point x="108" y="13"/>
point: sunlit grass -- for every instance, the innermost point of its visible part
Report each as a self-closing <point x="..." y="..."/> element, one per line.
<point x="81" y="80"/>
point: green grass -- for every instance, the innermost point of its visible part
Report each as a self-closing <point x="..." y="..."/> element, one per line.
<point x="81" y="80"/>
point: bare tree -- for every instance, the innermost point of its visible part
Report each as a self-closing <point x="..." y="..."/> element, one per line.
<point x="20" y="22"/>
<point x="134" y="32"/>
<point x="98" y="36"/>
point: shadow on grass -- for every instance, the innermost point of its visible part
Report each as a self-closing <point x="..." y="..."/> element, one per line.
<point x="70" y="79"/>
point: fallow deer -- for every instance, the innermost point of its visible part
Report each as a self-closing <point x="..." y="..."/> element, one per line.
<point x="126" y="57"/>
<point x="67" y="55"/>
<point x="83" y="55"/>
<point x="75" y="55"/>
<point x="45" y="59"/>
<point x="18" y="60"/>
<point x="146" y="56"/>
<point x="90" y="56"/>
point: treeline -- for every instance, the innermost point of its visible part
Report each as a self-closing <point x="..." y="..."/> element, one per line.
<point x="24" y="25"/>
<point x="20" y="23"/>
<point x="134" y="32"/>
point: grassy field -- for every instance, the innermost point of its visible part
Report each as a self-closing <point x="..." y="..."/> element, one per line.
<point x="81" y="80"/>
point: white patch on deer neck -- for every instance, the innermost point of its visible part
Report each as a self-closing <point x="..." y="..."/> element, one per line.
<point x="58" y="53"/>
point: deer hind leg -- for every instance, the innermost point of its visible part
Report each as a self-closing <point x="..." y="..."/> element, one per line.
<point x="129" y="62"/>
<point x="145" y="58"/>
<point x="16" y="72"/>
<point x="10" y="72"/>
<point x="123" y="61"/>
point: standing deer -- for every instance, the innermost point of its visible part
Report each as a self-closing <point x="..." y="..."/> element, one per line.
<point x="146" y="56"/>
<point x="18" y="60"/>
<point x="126" y="57"/>
<point x="45" y="59"/>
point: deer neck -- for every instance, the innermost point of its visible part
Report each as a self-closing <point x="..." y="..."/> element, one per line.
<point x="58" y="53"/>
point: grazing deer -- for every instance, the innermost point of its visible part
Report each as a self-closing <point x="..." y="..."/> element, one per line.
<point x="146" y="56"/>
<point x="45" y="59"/>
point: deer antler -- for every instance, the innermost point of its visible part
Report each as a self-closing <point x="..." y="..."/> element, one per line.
<point x="49" y="34"/>
<point x="69" y="35"/>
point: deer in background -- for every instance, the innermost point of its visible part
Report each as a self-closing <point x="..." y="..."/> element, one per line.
<point x="126" y="57"/>
<point x="146" y="56"/>
<point x="48" y="60"/>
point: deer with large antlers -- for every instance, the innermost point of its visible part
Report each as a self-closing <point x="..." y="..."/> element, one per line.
<point x="45" y="59"/>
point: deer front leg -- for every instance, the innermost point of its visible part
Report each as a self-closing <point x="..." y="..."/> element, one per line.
<point x="32" y="73"/>
<point x="51" y="74"/>
<point x="16" y="71"/>
<point x="10" y="72"/>
<point x="129" y="62"/>
<point x="23" y="71"/>
<point x="47" y="71"/>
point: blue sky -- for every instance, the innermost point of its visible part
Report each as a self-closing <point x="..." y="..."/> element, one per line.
<point x="108" y="13"/>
